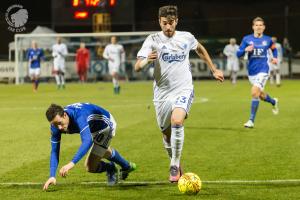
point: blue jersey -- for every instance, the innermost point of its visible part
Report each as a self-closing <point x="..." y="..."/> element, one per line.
<point x="35" y="56"/>
<point x="85" y="119"/>
<point x="258" y="58"/>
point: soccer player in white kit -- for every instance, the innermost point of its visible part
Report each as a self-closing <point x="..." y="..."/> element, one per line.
<point x="275" y="68"/>
<point x="59" y="52"/>
<point x="173" y="84"/>
<point x="115" y="55"/>
<point x="232" y="59"/>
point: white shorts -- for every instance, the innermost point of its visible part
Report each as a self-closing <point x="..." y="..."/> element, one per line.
<point x="59" y="65"/>
<point x="34" y="71"/>
<point x="259" y="80"/>
<point x="233" y="65"/>
<point x="274" y="66"/>
<point x="113" y="69"/>
<point x="102" y="138"/>
<point x="164" y="108"/>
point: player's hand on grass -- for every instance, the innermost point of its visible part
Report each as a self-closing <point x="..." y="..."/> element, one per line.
<point x="65" y="169"/>
<point x="218" y="74"/>
<point x="50" y="181"/>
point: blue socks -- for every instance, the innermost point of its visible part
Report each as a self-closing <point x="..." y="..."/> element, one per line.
<point x="270" y="100"/>
<point x="254" y="107"/>
<point x="103" y="167"/>
<point x="36" y="82"/>
<point x="117" y="158"/>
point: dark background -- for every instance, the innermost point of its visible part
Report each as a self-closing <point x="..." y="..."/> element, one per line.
<point x="204" y="18"/>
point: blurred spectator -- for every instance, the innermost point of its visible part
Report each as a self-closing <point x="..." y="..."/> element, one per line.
<point x="82" y="62"/>
<point x="287" y="49"/>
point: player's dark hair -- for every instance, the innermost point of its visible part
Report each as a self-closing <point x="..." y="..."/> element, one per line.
<point x="169" y="11"/>
<point x="258" y="19"/>
<point x="54" y="110"/>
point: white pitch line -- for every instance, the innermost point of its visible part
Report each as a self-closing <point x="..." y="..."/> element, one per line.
<point x="165" y="182"/>
<point x="255" y="181"/>
<point x="201" y="100"/>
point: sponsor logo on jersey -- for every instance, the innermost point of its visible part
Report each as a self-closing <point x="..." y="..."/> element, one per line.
<point x="258" y="52"/>
<point x="167" y="57"/>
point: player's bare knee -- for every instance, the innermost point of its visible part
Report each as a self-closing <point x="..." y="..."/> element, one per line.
<point x="255" y="95"/>
<point x="255" y="92"/>
<point x="176" y="121"/>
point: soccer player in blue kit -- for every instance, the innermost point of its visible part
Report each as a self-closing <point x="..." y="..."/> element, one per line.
<point x="34" y="56"/>
<point x="255" y="46"/>
<point x="96" y="127"/>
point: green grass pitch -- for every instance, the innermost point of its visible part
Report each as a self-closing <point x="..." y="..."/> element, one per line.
<point x="216" y="147"/>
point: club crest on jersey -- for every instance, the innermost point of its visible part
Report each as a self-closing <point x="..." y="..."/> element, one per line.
<point x="264" y="43"/>
<point x="167" y="57"/>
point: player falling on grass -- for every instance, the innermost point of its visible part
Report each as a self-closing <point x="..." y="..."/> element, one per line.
<point x="256" y="46"/>
<point x="169" y="51"/>
<point x="35" y="55"/>
<point x="96" y="127"/>
<point x="115" y="55"/>
<point x="232" y="60"/>
<point x="59" y="52"/>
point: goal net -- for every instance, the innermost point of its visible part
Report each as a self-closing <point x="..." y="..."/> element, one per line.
<point x="98" y="66"/>
<point x="94" y="42"/>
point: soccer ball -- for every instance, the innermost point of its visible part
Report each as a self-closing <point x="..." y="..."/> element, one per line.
<point x="189" y="183"/>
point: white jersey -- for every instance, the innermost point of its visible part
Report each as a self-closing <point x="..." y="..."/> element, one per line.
<point x="230" y="52"/>
<point x="172" y="73"/>
<point x="279" y="57"/>
<point x="232" y="59"/>
<point x="115" y="54"/>
<point x="59" y="52"/>
<point x="279" y="52"/>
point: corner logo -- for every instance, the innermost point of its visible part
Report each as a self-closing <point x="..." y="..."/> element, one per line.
<point x="16" y="17"/>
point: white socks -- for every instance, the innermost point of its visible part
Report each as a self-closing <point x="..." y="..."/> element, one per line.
<point x="234" y="77"/>
<point x="57" y="79"/>
<point x="168" y="148"/>
<point x="277" y="78"/>
<point x="177" y="139"/>
<point x="115" y="82"/>
<point x="60" y="79"/>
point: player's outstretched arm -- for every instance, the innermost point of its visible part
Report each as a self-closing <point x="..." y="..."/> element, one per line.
<point x="141" y="63"/>
<point x="201" y="51"/>
<point x="50" y="181"/>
